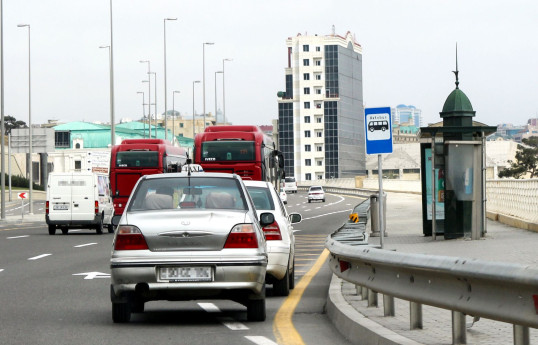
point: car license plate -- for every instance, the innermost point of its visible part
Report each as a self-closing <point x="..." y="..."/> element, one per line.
<point x="60" y="207"/>
<point x="186" y="274"/>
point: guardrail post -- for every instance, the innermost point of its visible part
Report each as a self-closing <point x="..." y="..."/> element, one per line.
<point x="372" y="298"/>
<point x="358" y="288"/>
<point x="415" y="315"/>
<point x="388" y="305"/>
<point x="521" y="335"/>
<point x="459" y="331"/>
<point x="364" y="293"/>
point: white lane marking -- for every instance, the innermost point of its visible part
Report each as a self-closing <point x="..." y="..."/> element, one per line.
<point x="326" y="214"/>
<point x="1" y="269"/>
<point x="259" y="340"/>
<point x="93" y="275"/>
<point x="39" y="257"/>
<point x="232" y="325"/>
<point x="12" y="237"/>
<point x="85" y="245"/>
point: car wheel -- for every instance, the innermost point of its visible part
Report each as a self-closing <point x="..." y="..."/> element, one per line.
<point x="256" y="310"/>
<point x="52" y="229"/>
<point x="309" y="201"/>
<point x="65" y="230"/>
<point x="99" y="227"/>
<point x="138" y="306"/>
<point x="110" y="228"/>
<point x="292" y="276"/>
<point x="323" y="200"/>
<point x="121" y="312"/>
<point x="282" y="287"/>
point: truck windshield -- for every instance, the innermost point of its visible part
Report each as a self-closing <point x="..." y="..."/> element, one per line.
<point x="218" y="151"/>
<point x="137" y="159"/>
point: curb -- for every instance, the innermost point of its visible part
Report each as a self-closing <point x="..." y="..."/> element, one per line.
<point x="357" y="328"/>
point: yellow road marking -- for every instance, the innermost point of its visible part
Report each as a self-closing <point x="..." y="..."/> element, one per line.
<point x="283" y="328"/>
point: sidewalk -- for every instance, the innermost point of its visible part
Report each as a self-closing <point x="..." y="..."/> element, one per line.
<point x="404" y="228"/>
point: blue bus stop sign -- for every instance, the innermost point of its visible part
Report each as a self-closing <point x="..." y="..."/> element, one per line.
<point x="378" y="127"/>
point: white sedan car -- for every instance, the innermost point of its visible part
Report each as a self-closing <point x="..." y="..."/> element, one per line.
<point x="284" y="197"/>
<point x="279" y="236"/>
<point x="316" y="193"/>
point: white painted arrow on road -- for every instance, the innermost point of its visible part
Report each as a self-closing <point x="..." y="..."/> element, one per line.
<point x="93" y="275"/>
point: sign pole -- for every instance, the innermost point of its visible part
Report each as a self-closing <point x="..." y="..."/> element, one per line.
<point x="381" y="198"/>
<point x="22" y="210"/>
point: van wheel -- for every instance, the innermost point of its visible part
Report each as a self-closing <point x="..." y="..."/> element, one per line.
<point x="52" y="229"/>
<point x="110" y="228"/>
<point x="64" y="230"/>
<point x="99" y="227"/>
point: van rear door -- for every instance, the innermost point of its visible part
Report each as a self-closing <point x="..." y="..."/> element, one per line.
<point x="60" y="197"/>
<point x="83" y="197"/>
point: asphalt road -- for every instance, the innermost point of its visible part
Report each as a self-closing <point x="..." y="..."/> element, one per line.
<point x="55" y="290"/>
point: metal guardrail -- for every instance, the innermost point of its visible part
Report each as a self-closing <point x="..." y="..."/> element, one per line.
<point x="499" y="291"/>
<point x="363" y="193"/>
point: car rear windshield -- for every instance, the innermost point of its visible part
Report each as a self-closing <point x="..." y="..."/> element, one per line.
<point x="315" y="188"/>
<point x="261" y="197"/>
<point x="289" y="179"/>
<point x="187" y="193"/>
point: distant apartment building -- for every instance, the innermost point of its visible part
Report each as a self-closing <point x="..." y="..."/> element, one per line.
<point x="407" y="114"/>
<point x="321" y="114"/>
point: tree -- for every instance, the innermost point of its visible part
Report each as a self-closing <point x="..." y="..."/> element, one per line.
<point x="10" y="122"/>
<point x="526" y="160"/>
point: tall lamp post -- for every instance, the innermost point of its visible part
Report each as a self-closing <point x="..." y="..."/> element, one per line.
<point x="143" y="112"/>
<point x="155" y="94"/>
<point x="223" y="90"/>
<point x="112" y="136"/>
<point x="112" y="120"/>
<point x="30" y="199"/>
<point x="2" y="125"/>
<point x="149" y="94"/>
<point x="174" y="114"/>
<point x="216" y="72"/>
<point x="165" y="90"/>
<point x="193" y="120"/>
<point x="203" y="61"/>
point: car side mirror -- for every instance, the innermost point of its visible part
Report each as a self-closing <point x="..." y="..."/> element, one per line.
<point x="266" y="219"/>
<point x="295" y="218"/>
<point x="116" y="220"/>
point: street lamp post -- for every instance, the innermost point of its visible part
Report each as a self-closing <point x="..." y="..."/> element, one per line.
<point x="30" y="199"/>
<point x="149" y="95"/>
<point x="174" y="114"/>
<point x="155" y="94"/>
<point x="223" y="91"/>
<point x="112" y="120"/>
<point x="216" y="72"/>
<point x="165" y="90"/>
<point x="143" y="112"/>
<point x="112" y="136"/>
<point x="203" y="61"/>
<point x="2" y="125"/>
<point x="193" y="120"/>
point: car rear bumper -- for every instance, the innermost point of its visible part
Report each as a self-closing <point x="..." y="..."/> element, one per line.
<point x="73" y="222"/>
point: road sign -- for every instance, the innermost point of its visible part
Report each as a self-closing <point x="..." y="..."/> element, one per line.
<point x="378" y="127"/>
<point x="21" y="195"/>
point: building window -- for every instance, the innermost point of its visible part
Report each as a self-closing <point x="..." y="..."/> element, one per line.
<point x="181" y="125"/>
<point x="307" y="134"/>
<point x="319" y="134"/>
<point x="306" y="62"/>
<point x="319" y="119"/>
<point x="307" y="119"/>
<point x="318" y="49"/>
<point x="318" y="62"/>
<point x="306" y="76"/>
<point x="307" y="105"/>
<point x="78" y="165"/>
<point x="318" y="92"/>
<point x="77" y="146"/>
<point x="308" y="177"/>
<point x="307" y="148"/>
<point x="318" y="76"/>
<point x="62" y="139"/>
<point x="319" y="148"/>
<point x="306" y="91"/>
<point x="320" y="176"/>
<point x="319" y="163"/>
<point x="305" y="47"/>
<point x="308" y="162"/>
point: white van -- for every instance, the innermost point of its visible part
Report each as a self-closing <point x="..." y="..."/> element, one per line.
<point x="290" y="185"/>
<point x="78" y="200"/>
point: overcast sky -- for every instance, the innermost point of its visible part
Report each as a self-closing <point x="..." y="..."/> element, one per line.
<point x="408" y="54"/>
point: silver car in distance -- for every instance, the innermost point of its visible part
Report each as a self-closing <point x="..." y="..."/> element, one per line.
<point x="189" y="236"/>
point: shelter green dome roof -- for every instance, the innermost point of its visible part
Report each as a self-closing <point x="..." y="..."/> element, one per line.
<point x="457" y="101"/>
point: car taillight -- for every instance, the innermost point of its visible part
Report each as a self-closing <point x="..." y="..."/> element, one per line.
<point x="272" y="232"/>
<point x="96" y="207"/>
<point x="129" y="237"/>
<point x="47" y="207"/>
<point x="242" y="236"/>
